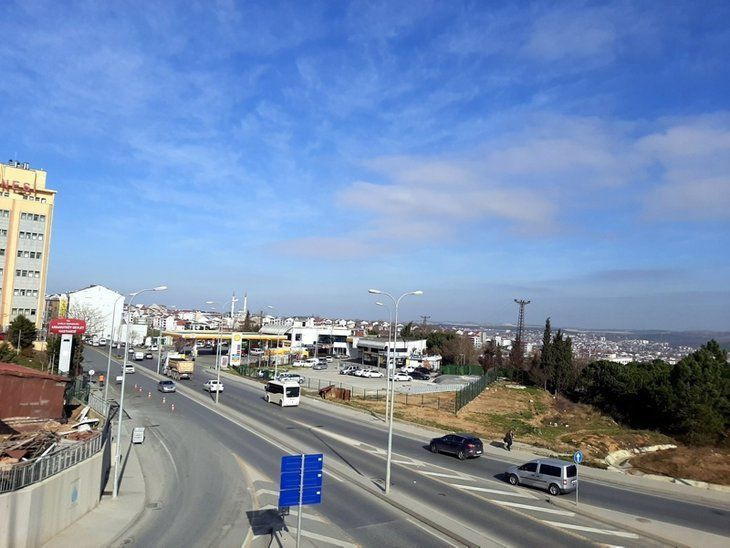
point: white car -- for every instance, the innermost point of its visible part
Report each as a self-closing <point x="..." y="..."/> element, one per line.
<point x="299" y="363"/>
<point x="402" y="377"/>
<point x="256" y="352"/>
<point x="213" y="385"/>
<point x="358" y="372"/>
<point x="290" y="377"/>
<point x="372" y="374"/>
<point x="407" y="369"/>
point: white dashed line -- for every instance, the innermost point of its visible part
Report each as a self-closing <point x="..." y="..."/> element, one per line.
<point x="440" y="475"/>
<point x="535" y="508"/>
<point x="622" y="534"/>
<point x="494" y="491"/>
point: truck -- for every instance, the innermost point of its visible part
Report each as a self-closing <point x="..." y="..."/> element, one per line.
<point x="178" y="366"/>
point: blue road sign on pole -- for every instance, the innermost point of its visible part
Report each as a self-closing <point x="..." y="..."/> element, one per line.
<point x="300" y="483"/>
<point x="301" y="478"/>
<point x="578" y="457"/>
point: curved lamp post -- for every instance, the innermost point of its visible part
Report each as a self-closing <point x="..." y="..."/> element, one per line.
<point x="396" y="303"/>
<point x="115" y="492"/>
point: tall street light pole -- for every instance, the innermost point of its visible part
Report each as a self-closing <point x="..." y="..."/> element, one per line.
<point x="396" y="303"/>
<point x="111" y="340"/>
<point x="387" y="360"/>
<point x="218" y="352"/>
<point x="117" y="457"/>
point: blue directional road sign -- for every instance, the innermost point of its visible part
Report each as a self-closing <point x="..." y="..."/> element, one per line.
<point x="301" y="480"/>
<point x="578" y="457"/>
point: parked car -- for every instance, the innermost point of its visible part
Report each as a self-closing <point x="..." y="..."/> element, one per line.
<point x="329" y="359"/>
<point x="311" y="362"/>
<point x="461" y="445"/>
<point x="298" y="363"/>
<point x="320" y="366"/>
<point x="291" y="376"/>
<point x="554" y="475"/>
<point x="348" y="370"/>
<point x="407" y="369"/>
<point x="418" y="376"/>
<point x="423" y="370"/>
<point x="358" y="371"/>
<point x="398" y="377"/>
<point x="256" y="351"/>
<point x="371" y="374"/>
<point x="148" y="356"/>
<point x="213" y="385"/>
<point x="166" y="386"/>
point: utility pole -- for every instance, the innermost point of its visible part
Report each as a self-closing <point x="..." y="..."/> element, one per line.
<point x="520" y="328"/>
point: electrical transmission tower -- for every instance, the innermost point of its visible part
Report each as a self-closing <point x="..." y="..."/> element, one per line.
<point x="425" y="320"/>
<point x="520" y="328"/>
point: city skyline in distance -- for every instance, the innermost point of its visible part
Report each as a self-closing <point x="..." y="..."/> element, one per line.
<point x="575" y="155"/>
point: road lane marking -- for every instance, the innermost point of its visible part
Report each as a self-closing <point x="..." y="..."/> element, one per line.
<point x="495" y="491"/>
<point x="306" y="515"/>
<point x="432" y="533"/>
<point x="535" y="508"/>
<point x="585" y="529"/>
<point x="329" y="540"/>
<point x="452" y="476"/>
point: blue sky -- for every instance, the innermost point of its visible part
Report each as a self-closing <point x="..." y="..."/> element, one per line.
<point x="576" y="154"/>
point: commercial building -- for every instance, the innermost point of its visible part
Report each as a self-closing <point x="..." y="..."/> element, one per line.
<point x="26" y="216"/>
<point x="315" y="339"/>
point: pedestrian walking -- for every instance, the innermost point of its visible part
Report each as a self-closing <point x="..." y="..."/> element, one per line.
<point x="508" y="439"/>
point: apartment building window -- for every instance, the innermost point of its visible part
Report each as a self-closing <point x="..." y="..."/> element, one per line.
<point x="2" y="251"/>
<point x="4" y="213"/>
<point x="3" y="231"/>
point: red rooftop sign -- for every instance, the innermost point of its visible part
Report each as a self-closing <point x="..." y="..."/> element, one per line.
<point x="67" y="326"/>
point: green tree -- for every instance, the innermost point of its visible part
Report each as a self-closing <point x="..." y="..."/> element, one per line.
<point x="247" y="322"/>
<point x="22" y="330"/>
<point x="561" y="361"/>
<point x="407" y="331"/>
<point x="7" y="353"/>
<point x="541" y="373"/>
<point x="700" y="387"/>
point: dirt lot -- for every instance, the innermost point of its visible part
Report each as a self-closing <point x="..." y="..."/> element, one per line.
<point x="710" y="464"/>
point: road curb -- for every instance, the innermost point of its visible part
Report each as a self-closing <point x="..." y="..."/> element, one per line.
<point x="614" y="523"/>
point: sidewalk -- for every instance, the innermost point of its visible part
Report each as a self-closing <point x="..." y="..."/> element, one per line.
<point x="103" y="525"/>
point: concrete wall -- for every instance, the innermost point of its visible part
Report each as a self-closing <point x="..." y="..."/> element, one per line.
<point x="33" y="515"/>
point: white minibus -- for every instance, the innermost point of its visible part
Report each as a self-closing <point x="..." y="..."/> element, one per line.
<point x="283" y="392"/>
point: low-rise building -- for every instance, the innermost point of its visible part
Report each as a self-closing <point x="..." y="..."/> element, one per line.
<point x="26" y="392"/>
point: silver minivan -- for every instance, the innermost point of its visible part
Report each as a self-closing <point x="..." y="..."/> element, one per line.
<point x="554" y="475"/>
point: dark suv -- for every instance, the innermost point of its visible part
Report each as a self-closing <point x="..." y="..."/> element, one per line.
<point x="461" y="445"/>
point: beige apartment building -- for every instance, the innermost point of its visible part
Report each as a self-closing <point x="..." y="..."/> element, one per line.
<point x="26" y="216"/>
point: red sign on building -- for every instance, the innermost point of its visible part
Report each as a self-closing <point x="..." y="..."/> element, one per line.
<point x="67" y="326"/>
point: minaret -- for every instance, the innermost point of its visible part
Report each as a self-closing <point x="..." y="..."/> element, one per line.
<point x="245" y="303"/>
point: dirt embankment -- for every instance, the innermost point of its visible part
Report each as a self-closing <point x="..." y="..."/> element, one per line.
<point x="711" y="464"/>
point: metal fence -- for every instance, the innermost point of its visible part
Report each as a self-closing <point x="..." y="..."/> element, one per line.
<point x="472" y="390"/>
<point x="34" y="470"/>
<point x="99" y="404"/>
<point x="462" y="370"/>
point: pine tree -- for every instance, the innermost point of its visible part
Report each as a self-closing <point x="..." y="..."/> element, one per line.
<point x="545" y="356"/>
<point x="23" y="331"/>
<point x="247" y="322"/>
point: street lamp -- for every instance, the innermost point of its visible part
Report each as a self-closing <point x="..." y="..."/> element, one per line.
<point x="111" y="340"/>
<point x="124" y="377"/>
<point x="396" y="303"/>
<point x="387" y="360"/>
<point x="218" y="352"/>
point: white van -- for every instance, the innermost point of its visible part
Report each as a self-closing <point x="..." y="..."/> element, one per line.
<point x="283" y="392"/>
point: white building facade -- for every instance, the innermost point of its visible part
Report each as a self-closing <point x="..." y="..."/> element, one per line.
<point x="96" y="305"/>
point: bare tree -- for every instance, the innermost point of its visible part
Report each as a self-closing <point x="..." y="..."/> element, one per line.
<point x="95" y="320"/>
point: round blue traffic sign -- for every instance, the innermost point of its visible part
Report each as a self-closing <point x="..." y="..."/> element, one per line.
<point x="578" y="457"/>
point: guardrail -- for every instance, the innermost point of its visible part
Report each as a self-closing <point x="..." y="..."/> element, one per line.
<point x="34" y="470"/>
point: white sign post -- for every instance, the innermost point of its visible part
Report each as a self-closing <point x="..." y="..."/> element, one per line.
<point x="577" y="459"/>
<point x="64" y="357"/>
<point x="234" y="351"/>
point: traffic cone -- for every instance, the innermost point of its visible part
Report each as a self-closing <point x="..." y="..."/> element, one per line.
<point x="149" y="395"/>
<point x="163" y="400"/>
<point x="172" y="408"/>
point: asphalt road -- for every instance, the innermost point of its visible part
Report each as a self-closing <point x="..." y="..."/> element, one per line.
<point x="709" y="518"/>
<point x="472" y="493"/>
<point x="195" y="493"/>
